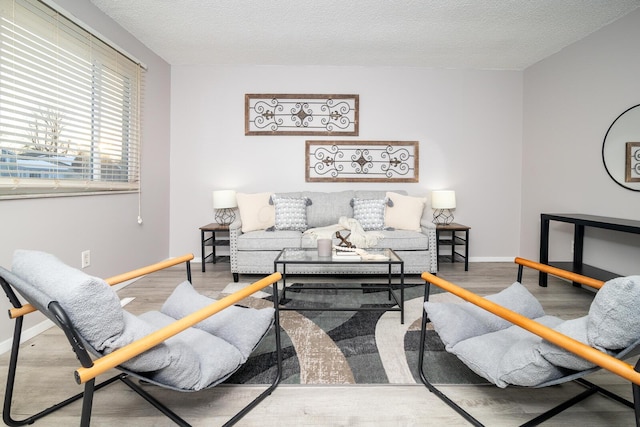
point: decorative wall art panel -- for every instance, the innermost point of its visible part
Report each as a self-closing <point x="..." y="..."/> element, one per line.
<point x="632" y="166"/>
<point x="361" y="161"/>
<point x="272" y="114"/>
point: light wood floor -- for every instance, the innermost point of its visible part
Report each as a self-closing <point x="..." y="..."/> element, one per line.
<point x="46" y="367"/>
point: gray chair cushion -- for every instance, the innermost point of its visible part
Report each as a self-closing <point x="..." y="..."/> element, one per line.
<point x="576" y="329"/>
<point x="241" y="327"/>
<point x="456" y="322"/>
<point x="198" y="359"/>
<point x="509" y="356"/>
<point x="93" y="307"/>
<point x="614" y="316"/>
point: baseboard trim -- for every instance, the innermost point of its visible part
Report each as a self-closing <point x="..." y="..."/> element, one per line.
<point x="27" y="334"/>
<point x="491" y="259"/>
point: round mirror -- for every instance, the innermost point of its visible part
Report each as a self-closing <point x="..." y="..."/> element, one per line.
<point x="621" y="149"/>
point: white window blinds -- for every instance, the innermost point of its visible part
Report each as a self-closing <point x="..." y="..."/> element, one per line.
<point x="69" y="107"/>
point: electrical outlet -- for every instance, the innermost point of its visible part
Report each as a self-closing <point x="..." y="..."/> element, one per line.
<point x="86" y="259"/>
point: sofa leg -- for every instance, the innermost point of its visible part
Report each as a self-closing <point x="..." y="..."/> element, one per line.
<point x="236" y="277"/>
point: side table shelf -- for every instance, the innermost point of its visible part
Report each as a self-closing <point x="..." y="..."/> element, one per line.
<point x="212" y="241"/>
<point x="447" y="235"/>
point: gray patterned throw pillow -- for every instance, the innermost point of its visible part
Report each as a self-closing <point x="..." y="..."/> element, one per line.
<point x="369" y="212"/>
<point x="291" y="213"/>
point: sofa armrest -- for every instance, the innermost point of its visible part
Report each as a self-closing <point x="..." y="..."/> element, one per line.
<point x="235" y="231"/>
<point x="429" y="229"/>
<point x="424" y="223"/>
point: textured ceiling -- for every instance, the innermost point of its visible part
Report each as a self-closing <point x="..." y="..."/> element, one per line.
<point x="480" y="34"/>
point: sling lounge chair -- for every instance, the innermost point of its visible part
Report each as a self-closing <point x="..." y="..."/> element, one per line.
<point x="507" y="338"/>
<point x="192" y="343"/>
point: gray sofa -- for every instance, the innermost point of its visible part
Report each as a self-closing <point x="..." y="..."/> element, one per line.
<point x="254" y="250"/>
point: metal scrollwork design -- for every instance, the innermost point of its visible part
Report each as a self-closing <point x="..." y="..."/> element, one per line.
<point x="362" y="161"/>
<point x="301" y="114"/>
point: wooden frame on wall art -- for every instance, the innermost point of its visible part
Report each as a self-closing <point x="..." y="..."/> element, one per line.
<point x="361" y="161"/>
<point x="287" y="114"/>
<point x="632" y="162"/>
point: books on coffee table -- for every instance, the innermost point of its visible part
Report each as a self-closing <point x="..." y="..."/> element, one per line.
<point x="339" y="255"/>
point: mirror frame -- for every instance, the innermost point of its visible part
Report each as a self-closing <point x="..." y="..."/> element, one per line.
<point x="604" y="143"/>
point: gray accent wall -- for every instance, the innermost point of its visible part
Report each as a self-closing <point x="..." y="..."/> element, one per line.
<point x="570" y="100"/>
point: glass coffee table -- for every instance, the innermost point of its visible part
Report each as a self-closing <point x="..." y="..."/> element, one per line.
<point x="301" y="257"/>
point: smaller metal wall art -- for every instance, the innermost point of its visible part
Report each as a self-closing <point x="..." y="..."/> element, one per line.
<point x="285" y="114"/>
<point x="361" y="161"/>
<point x="632" y="164"/>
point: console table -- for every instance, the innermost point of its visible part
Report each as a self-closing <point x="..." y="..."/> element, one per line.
<point x="581" y="221"/>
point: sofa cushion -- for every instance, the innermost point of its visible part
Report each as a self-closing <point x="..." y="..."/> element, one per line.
<point x="404" y="212"/>
<point x="614" y="316"/>
<point x="471" y="321"/>
<point x="327" y="208"/>
<point x="255" y="211"/>
<point x="375" y="194"/>
<point x="403" y="240"/>
<point x="263" y="240"/>
<point x="291" y="212"/>
<point x="369" y="212"/>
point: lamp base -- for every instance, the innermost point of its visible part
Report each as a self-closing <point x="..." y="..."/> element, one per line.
<point x="225" y="216"/>
<point x="442" y="216"/>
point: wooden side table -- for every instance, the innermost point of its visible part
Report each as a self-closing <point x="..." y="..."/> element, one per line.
<point x="451" y="238"/>
<point x="212" y="228"/>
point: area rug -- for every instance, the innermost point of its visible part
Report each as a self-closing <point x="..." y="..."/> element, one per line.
<point x="349" y="347"/>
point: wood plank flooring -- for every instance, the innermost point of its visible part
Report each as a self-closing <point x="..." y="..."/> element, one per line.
<point x="47" y="363"/>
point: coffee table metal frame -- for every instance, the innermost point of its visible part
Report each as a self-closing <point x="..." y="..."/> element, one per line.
<point x="300" y="256"/>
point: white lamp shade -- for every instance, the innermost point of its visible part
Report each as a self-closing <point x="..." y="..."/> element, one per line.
<point x="224" y="199"/>
<point x="443" y="199"/>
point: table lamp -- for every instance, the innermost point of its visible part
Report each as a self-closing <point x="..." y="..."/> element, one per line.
<point x="442" y="201"/>
<point x="223" y="203"/>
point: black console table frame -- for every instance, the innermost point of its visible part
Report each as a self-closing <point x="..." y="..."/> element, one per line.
<point x="581" y="221"/>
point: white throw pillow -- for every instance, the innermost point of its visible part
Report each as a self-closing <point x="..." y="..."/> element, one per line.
<point x="255" y="211"/>
<point x="405" y="212"/>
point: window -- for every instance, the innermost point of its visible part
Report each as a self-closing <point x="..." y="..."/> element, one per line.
<point x="69" y="107"/>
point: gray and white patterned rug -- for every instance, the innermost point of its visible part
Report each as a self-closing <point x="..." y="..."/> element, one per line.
<point x="349" y="347"/>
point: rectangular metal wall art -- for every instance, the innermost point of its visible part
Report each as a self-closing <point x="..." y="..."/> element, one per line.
<point x="632" y="164"/>
<point x="286" y="114"/>
<point x="361" y="161"/>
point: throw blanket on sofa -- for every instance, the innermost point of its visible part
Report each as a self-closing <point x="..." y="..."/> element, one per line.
<point x="359" y="237"/>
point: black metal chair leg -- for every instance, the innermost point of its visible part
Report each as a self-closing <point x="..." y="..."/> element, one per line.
<point x="423" y="377"/>
<point x="154" y="402"/>
<point x="87" y="403"/>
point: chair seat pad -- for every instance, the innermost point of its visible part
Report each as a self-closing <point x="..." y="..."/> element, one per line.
<point x="455" y="322"/>
<point x="197" y="359"/>
<point x="509" y="356"/>
<point x="241" y="327"/>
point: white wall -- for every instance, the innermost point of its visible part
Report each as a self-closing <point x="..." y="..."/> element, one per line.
<point x="106" y="225"/>
<point x="469" y="124"/>
<point x="570" y="100"/>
